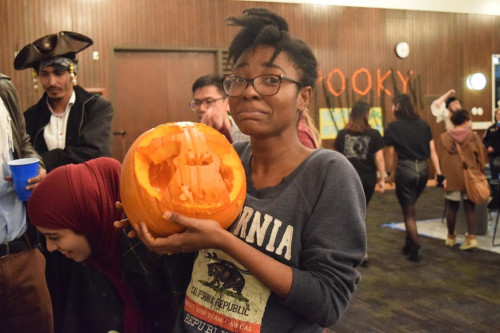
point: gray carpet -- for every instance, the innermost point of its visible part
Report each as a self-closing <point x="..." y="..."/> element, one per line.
<point x="448" y="291"/>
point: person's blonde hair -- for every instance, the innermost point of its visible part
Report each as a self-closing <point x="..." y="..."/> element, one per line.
<point x="312" y="126"/>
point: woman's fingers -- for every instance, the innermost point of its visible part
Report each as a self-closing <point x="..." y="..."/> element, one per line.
<point x="199" y="233"/>
<point x="119" y="205"/>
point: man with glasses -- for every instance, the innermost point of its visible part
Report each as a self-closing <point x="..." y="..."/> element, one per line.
<point x="212" y="108"/>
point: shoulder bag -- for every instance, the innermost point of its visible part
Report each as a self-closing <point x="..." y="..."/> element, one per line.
<point x="476" y="184"/>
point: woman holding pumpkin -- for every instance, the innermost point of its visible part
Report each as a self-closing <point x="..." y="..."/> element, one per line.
<point x="287" y="264"/>
<point x="74" y="207"/>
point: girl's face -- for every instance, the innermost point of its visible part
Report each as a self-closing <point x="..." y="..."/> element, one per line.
<point x="268" y="116"/>
<point x="67" y="242"/>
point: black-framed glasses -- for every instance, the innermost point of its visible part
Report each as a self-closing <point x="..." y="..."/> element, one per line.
<point x="265" y="85"/>
<point x="195" y="104"/>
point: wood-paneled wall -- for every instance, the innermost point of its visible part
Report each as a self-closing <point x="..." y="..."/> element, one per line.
<point x="445" y="47"/>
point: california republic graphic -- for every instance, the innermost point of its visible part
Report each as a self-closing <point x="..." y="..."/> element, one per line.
<point x="224" y="294"/>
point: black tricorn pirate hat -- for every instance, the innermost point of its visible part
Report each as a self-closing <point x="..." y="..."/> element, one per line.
<point x="64" y="43"/>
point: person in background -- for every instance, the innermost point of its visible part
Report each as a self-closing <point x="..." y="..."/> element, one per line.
<point x="25" y="304"/>
<point x="212" y="108"/>
<point x="452" y="166"/>
<point x="307" y="131"/>
<point x="411" y="138"/>
<point x="68" y="124"/>
<point x="443" y="107"/>
<point x="491" y="141"/>
<point x="287" y="264"/>
<point x="75" y="207"/>
<point x="363" y="147"/>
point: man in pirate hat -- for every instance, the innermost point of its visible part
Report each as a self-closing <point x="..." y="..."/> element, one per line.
<point x="68" y="124"/>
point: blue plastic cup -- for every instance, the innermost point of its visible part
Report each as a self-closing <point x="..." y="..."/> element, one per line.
<point x="23" y="169"/>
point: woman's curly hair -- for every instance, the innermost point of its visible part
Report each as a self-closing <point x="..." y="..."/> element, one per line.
<point x="263" y="27"/>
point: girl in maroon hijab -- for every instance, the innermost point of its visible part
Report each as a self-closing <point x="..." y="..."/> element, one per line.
<point x="74" y="207"/>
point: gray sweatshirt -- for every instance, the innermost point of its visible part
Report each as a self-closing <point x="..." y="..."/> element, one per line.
<point x="313" y="221"/>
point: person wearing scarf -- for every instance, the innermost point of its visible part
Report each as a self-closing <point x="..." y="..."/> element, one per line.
<point x="78" y="201"/>
<point x="452" y="166"/>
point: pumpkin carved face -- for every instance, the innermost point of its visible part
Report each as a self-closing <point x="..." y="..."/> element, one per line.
<point x="184" y="167"/>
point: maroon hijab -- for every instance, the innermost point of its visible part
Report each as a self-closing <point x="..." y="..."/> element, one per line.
<point x="81" y="197"/>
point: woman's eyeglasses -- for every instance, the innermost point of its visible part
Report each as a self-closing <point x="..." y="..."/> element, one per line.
<point x="265" y="85"/>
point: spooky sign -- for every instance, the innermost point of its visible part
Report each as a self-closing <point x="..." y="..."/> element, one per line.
<point x="362" y="81"/>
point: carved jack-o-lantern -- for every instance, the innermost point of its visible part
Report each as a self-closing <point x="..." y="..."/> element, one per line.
<point x="183" y="167"/>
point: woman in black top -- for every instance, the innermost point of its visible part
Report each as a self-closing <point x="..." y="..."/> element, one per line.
<point x="411" y="138"/>
<point x="363" y="147"/>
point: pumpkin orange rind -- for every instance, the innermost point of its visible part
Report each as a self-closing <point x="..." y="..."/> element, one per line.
<point x="188" y="168"/>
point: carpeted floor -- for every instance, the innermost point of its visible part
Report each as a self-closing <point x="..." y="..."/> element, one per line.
<point x="448" y="291"/>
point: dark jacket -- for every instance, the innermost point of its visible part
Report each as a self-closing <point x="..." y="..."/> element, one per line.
<point x="492" y="139"/>
<point x="92" y="303"/>
<point x="88" y="131"/>
<point x="159" y="282"/>
<point x="22" y="145"/>
<point x="86" y="301"/>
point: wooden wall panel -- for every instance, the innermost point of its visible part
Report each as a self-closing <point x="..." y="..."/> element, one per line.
<point x="445" y="47"/>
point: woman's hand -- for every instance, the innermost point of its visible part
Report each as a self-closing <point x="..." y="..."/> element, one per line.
<point x="124" y="223"/>
<point x="380" y="186"/>
<point x="199" y="234"/>
<point x="390" y="178"/>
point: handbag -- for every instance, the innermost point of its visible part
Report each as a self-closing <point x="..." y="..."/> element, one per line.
<point x="476" y="184"/>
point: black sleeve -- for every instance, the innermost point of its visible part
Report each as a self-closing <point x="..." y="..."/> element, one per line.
<point x="93" y="140"/>
<point x="338" y="145"/>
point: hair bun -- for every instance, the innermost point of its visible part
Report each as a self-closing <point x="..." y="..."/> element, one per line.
<point x="268" y="17"/>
